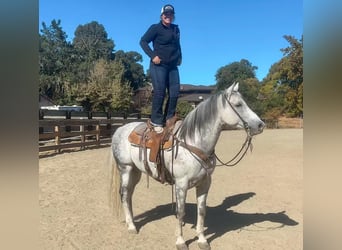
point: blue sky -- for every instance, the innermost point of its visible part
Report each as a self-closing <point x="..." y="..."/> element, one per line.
<point x="213" y="33"/>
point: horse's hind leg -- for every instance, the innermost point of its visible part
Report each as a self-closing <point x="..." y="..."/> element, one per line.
<point x="201" y="194"/>
<point x="130" y="176"/>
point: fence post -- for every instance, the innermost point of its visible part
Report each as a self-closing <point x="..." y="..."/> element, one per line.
<point x="41" y="117"/>
<point x="41" y="114"/>
<point x="90" y="116"/>
<point x="109" y="124"/>
<point x="82" y="136"/>
<point x="300" y="122"/>
<point x="98" y="133"/>
<point x="68" y="116"/>
<point x="58" y="137"/>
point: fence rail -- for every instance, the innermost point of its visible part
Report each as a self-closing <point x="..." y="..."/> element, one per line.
<point x="79" y="131"/>
<point x="71" y="129"/>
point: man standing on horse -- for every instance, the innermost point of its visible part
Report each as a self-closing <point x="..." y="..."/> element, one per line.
<point x="165" y="57"/>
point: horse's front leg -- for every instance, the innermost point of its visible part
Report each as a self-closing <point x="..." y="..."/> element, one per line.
<point x="181" y="192"/>
<point x="202" y="193"/>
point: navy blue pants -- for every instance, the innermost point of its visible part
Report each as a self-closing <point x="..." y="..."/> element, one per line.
<point x="164" y="78"/>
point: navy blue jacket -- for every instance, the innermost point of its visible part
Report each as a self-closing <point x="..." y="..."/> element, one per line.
<point x="166" y="43"/>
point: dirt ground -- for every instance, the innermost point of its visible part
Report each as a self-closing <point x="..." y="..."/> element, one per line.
<point x="257" y="204"/>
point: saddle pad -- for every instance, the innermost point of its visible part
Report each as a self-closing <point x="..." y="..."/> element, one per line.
<point x="136" y="136"/>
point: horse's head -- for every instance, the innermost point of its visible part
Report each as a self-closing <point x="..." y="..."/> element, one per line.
<point x="240" y="115"/>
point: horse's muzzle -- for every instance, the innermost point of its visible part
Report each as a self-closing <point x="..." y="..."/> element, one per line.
<point x="257" y="129"/>
<point x="261" y="126"/>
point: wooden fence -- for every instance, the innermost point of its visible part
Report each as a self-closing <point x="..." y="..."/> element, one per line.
<point x="283" y="122"/>
<point x="70" y="129"/>
<point x="59" y="130"/>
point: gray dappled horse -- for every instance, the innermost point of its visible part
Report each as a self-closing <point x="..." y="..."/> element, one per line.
<point x="200" y="129"/>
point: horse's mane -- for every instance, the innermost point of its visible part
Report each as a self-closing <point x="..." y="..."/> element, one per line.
<point x="201" y="117"/>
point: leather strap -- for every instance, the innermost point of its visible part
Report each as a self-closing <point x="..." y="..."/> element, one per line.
<point x="203" y="156"/>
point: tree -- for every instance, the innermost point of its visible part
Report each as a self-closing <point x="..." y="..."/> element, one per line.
<point x="53" y="60"/>
<point x="284" y="82"/>
<point x="92" y="40"/>
<point x="249" y="88"/>
<point x="244" y="73"/>
<point x="87" y="71"/>
<point x="292" y="63"/>
<point x="122" y="97"/>
<point x="183" y="108"/>
<point x="107" y="90"/>
<point x="271" y="96"/>
<point x="133" y="70"/>
<point x="91" y="43"/>
<point x="234" y="72"/>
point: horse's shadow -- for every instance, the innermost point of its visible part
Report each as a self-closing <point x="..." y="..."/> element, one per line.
<point x="219" y="220"/>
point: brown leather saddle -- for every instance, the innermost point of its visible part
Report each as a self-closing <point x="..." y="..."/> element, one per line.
<point x="145" y="137"/>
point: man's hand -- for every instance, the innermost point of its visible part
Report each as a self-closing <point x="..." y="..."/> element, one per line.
<point x="156" y="60"/>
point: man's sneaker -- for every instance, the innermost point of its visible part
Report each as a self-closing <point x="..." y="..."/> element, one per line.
<point x="158" y="129"/>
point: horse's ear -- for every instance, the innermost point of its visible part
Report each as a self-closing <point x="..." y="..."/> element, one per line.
<point x="234" y="87"/>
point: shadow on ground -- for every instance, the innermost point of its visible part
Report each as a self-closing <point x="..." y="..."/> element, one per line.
<point x="219" y="219"/>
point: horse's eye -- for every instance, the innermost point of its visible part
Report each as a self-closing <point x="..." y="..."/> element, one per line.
<point x="238" y="105"/>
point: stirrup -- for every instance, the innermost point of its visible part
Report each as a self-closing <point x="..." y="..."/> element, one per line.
<point x="153" y="127"/>
<point x="158" y="129"/>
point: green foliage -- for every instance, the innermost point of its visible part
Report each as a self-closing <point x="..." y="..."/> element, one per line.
<point x="283" y="86"/>
<point x="271" y="96"/>
<point x="249" y="88"/>
<point x="299" y="102"/>
<point x="133" y="71"/>
<point x="234" y="72"/>
<point x="86" y="71"/>
<point x="53" y="60"/>
<point x="183" y="108"/>
<point x="107" y="90"/>
<point x="280" y="93"/>
<point x="92" y="41"/>
<point x="146" y="109"/>
<point x="122" y="97"/>
<point x="292" y="63"/>
<point x="244" y="73"/>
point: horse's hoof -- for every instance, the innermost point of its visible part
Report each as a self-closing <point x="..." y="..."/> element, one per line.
<point x="132" y="231"/>
<point x="204" y="245"/>
<point x="182" y="247"/>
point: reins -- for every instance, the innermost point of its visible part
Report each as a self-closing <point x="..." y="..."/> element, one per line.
<point x="229" y="163"/>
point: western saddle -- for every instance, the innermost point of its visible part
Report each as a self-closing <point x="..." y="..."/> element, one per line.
<point x="145" y="138"/>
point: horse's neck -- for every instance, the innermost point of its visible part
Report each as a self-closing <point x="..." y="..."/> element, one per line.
<point x="203" y="126"/>
<point x="206" y="138"/>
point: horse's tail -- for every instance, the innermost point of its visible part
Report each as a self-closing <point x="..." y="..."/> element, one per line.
<point x="114" y="188"/>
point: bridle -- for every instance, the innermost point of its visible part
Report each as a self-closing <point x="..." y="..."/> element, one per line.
<point x="206" y="159"/>
<point x="247" y="144"/>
